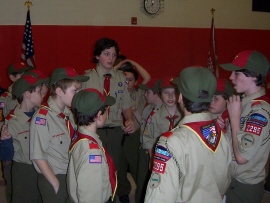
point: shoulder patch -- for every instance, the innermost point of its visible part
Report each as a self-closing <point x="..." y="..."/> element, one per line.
<point x="2" y="105"/>
<point x="167" y="134"/>
<point x="5" y="94"/>
<point x="256" y="103"/>
<point x="10" y="115"/>
<point x="95" y="159"/>
<point x="40" y="121"/>
<point x="43" y="112"/>
<point x="93" y="145"/>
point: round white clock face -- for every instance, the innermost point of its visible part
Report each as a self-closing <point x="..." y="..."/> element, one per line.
<point x="152" y="6"/>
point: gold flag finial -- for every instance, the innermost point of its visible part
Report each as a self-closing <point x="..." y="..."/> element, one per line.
<point x="28" y="4"/>
<point x="213" y="11"/>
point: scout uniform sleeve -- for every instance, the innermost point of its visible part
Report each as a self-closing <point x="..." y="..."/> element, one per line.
<point x="126" y="101"/>
<point x="88" y="172"/>
<point x="164" y="182"/>
<point x="39" y="137"/>
<point x="254" y="132"/>
<point x="149" y="132"/>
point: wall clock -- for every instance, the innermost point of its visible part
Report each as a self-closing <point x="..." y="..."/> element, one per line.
<point x="152" y="8"/>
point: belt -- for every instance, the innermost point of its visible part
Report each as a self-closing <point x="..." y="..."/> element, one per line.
<point x="107" y="127"/>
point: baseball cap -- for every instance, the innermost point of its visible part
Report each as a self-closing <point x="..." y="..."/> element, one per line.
<point x="167" y="82"/>
<point x="194" y="79"/>
<point x="24" y="83"/>
<point x="18" y="68"/>
<point x="66" y="73"/>
<point x="38" y="74"/>
<point x="153" y="85"/>
<point x="89" y="100"/>
<point x="251" y="60"/>
<point x="223" y="86"/>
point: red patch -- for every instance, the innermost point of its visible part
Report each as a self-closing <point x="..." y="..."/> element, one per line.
<point x="43" y="112"/>
<point x="256" y="103"/>
<point x="93" y="146"/>
<point x="254" y="129"/>
<point x="159" y="166"/>
<point x="166" y="134"/>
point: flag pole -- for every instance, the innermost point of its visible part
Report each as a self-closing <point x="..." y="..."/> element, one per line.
<point x="28" y="4"/>
<point x="216" y="65"/>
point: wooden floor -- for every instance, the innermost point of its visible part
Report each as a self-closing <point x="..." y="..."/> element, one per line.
<point x="266" y="198"/>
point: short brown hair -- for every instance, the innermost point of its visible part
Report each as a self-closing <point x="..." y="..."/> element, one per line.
<point x="63" y="85"/>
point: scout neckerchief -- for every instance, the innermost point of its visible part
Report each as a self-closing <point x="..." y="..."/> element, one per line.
<point x="171" y="120"/>
<point x="94" y="145"/>
<point x="208" y="132"/>
<point x="106" y="88"/>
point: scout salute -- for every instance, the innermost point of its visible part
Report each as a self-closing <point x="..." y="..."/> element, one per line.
<point x="249" y="118"/>
<point x="27" y="90"/>
<point x="191" y="162"/>
<point x="52" y="128"/>
<point x="153" y="105"/>
<point x="111" y="83"/>
<point x="91" y="172"/>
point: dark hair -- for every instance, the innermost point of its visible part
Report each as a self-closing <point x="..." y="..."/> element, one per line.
<point x="31" y="89"/>
<point x="197" y="107"/>
<point x="102" y="44"/>
<point x="133" y="71"/>
<point x="260" y="79"/>
<point x="87" y="119"/>
<point x="225" y="96"/>
<point x="119" y="58"/>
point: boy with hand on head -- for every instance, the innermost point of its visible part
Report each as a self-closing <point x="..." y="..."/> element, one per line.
<point x="27" y="91"/>
<point x="191" y="162"/>
<point x="249" y="119"/>
<point x="91" y="173"/>
<point x="52" y="129"/>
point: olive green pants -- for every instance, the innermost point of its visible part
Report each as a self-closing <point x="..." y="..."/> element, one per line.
<point x="244" y="193"/>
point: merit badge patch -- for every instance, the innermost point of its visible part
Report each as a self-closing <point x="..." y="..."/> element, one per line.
<point x="159" y="166"/>
<point x="155" y="180"/>
<point x="95" y="159"/>
<point x="40" y="121"/>
<point x="120" y="84"/>
<point x="247" y="141"/>
<point x="162" y="154"/>
<point x="2" y="105"/>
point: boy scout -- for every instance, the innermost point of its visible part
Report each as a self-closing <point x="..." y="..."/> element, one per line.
<point x="191" y="162"/>
<point x="52" y="128"/>
<point x="6" y="105"/>
<point x="27" y="91"/>
<point x="89" y="167"/>
<point x="249" y="118"/>
<point x="131" y="142"/>
<point x="153" y="105"/>
<point x="111" y="82"/>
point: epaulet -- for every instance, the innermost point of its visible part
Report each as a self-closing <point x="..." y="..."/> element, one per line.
<point x="10" y="115"/>
<point x="93" y="145"/>
<point x="254" y="103"/>
<point x="166" y="134"/>
<point x="90" y="70"/>
<point x="44" y="110"/>
<point x="5" y="94"/>
<point x="258" y="100"/>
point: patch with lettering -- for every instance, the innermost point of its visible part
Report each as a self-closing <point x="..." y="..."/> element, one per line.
<point x="257" y="119"/>
<point x="159" y="166"/>
<point x="120" y="84"/>
<point x="2" y="105"/>
<point x="95" y="159"/>
<point x="253" y="129"/>
<point x="40" y="121"/>
<point x="155" y="180"/>
<point x="247" y="141"/>
<point x="162" y="154"/>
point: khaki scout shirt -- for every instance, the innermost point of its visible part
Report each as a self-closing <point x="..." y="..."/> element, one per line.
<point x="118" y="90"/>
<point x="253" y="139"/>
<point x="18" y="127"/>
<point x="138" y="98"/>
<point x="157" y="125"/>
<point x="88" y="182"/>
<point x="49" y="137"/>
<point x="186" y="169"/>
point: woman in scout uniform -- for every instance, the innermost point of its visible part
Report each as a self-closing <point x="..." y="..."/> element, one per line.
<point x="52" y="129"/>
<point x="27" y="90"/>
<point x="191" y="162"/>
<point x="91" y="175"/>
<point x="249" y="119"/>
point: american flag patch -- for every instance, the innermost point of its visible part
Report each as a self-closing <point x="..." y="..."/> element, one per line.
<point x="40" y="121"/>
<point x="95" y="159"/>
<point x="2" y="105"/>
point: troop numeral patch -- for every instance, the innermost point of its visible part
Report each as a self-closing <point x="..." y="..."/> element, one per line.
<point x="159" y="166"/>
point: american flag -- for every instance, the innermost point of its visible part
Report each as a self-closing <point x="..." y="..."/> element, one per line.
<point x="40" y="121"/>
<point x="95" y="159"/>
<point x="28" y="54"/>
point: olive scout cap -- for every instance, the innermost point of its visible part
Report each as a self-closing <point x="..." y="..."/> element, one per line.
<point x="153" y="85"/>
<point x="166" y="82"/>
<point x="88" y="101"/>
<point x="224" y="87"/>
<point x="66" y="73"/>
<point x="38" y="74"/>
<point x="194" y="79"/>
<point x="18" y="68"/>
<point x="24" y="83"/>
<point x="251" y="60"/>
